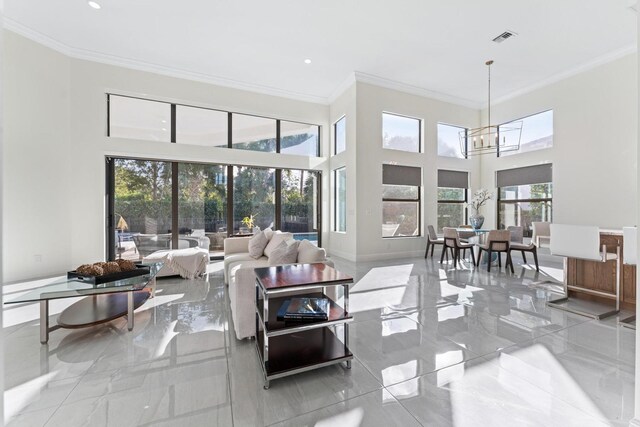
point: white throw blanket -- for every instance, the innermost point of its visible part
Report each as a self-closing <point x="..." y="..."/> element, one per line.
<point x="188" y="263"/>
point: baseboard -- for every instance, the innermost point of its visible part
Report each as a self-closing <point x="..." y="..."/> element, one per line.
<point x="389" y="255"/>
<point x="345" y="255"/>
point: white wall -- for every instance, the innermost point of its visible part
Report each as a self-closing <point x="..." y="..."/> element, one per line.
<point x="594" y="155"/>
<point x="56" y="144"/>
<point x="372" y="101"/>
<point x="343" y="244"/>
<point x="37" y="190"/>
<point x="54" y="168"/>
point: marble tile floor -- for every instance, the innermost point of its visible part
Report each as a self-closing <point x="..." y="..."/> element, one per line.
<point x="433" y="346"/>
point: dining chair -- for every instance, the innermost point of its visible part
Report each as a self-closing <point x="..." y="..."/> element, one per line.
<point x="432" y="240"/>
<point x="453" y="243"/>
<point x="582" y="242"/>
<point x="517" y="244"/>
<point x="498" y="241"/>
<point x="465" y="235"/>
<point x="630" y="257"/>
<point x="541" y="235"/>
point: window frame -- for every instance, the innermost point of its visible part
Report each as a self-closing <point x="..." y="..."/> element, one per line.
<point x="462" y="202"/>
<point x="335" y="200"/>
<point x="417" y="200"/>
<point x="173" y="128"/>
<point x="335" y="135"/>
<point x="110" y="186"/>
<point x="500" y="201"/>
<point x="420" y="132"/>
<point x="466" y="141"/>
<point x="521" y="119"/>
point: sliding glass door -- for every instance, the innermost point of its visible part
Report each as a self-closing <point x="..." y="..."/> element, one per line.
<point x="142" y="214"/>
<point x="154" y="205"/>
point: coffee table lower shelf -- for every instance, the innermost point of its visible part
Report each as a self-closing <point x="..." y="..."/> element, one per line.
<point x="300" y="352"/>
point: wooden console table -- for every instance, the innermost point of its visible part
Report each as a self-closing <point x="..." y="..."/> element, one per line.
<point x="601" y="277"/>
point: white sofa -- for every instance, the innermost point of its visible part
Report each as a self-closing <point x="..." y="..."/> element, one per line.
<point x="241" y="279"/>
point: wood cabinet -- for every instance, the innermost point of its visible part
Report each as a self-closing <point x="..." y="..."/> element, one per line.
<point x="600" y="276"/>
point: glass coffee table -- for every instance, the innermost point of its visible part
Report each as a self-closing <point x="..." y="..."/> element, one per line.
<point x="104" y="302"/>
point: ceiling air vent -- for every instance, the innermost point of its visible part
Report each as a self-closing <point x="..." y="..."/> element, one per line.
<point x="506" y="35"/>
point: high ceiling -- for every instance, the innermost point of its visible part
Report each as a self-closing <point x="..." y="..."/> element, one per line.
<point x="435" y="45"/>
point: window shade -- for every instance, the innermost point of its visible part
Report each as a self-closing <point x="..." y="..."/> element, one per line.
<point x="537" y="174"/>
<point x="453" y="179"/>
<point x="401" y="175"/>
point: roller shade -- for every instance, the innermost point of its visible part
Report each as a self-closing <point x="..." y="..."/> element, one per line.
<point x="401" y="175"/>
<point x="453" y="179"/>
<point x="537" y="174"/>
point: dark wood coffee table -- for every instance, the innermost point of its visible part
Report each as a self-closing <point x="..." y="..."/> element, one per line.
<point x="286" y="349"/>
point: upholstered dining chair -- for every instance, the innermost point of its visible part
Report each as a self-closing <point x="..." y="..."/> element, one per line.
<point x="541" y="236"/>
<point x="453" y="243"/>
<point x="498" y="241"/>
<point x="517" y="244"/>
<point x="465" y="235"/>
<point x="432" y="240"/>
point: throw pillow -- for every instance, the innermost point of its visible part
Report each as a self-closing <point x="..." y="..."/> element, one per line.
<point x="268" y="232"/>
<point x="285" y="253"/>
<point x="257" y="244"/>
<point x="309" y="253"/>
<point x="275" y="240"/>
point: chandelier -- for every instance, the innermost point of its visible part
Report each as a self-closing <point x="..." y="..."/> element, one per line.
<point x="490" y="139"/>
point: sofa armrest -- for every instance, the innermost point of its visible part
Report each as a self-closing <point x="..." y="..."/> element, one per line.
<point x="234" y="245"/>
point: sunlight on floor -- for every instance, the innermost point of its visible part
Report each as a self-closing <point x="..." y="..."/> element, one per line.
<point x="18" y="397"/>
<point x="350" y="418"/>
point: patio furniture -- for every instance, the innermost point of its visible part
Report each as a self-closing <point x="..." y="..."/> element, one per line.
<point x="498" y="242"/>
<point x="583" y="243"/>
<point x="432" y="240"/>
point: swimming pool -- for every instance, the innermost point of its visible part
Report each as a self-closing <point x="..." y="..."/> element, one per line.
<point x="313" y="237"/>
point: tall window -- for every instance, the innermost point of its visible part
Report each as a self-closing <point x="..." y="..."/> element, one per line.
<point x="144" y="119"/>
<point x="525" y="195"/>
<point x="449" y="144"/>
<point x="537" y="133"/>
<point x="253" y="197"/>
<point x="401" y="133"/>
<point x="340" y="199"/>
<point x="299" y="210"/>
<point x="401" y="201"/>
<point x="340" y="135"/>
<point x="452" y="195"/>
<point x="142" y="214"/>
<point x="202" y="205"/>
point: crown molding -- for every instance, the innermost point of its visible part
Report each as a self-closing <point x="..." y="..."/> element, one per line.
<point x="342" y="88"/>
<point x="601" y="60"/>
<point x="88" y="55"/>
<point x="414" y="90"/>
<point x="356" y="76"/>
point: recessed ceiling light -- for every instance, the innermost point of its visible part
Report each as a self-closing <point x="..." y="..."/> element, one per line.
<point x="94" y="5"/>
<point x="307" y="61"/>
